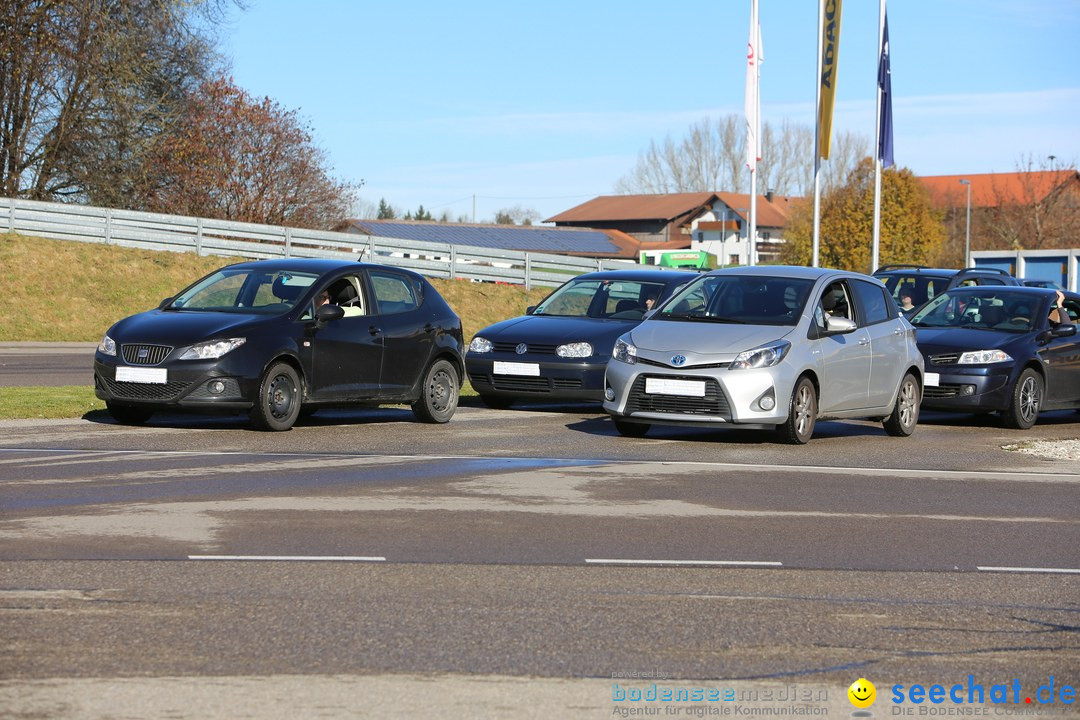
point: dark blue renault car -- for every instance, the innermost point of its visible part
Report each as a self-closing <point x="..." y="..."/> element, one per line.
<point x="559" y="349"/>
<point x="995" y="349"/>
<point x="274" y="338"/>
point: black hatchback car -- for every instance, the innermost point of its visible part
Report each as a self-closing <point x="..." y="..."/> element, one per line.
<point x="559" y="349"/>
<point x="995" y="349"/>
<point x="276" y="338"/>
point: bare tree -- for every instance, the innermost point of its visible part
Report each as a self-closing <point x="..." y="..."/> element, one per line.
<point x="1041" y="209"/>
<point x="87" y="86"/>
<point x="711" y="157"/>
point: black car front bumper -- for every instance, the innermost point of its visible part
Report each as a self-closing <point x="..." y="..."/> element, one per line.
<point x="186" y="384"/>
<point x="967" y="389"/>
<point x="511" y="376"/>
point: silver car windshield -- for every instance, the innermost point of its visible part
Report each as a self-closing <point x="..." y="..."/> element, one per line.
<point x="245" y="291"/>
<point x="616" y="299"/>
<point x="745" y="299"/>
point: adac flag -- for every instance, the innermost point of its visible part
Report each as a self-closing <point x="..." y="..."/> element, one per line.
<point x="885" y="139"/>
<point x="830" y="54"/>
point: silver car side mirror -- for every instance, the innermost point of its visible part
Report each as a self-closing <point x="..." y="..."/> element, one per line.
<point x="839" y="325"/>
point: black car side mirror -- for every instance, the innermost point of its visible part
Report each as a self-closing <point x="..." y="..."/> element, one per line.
<point x="327" y="313"/>
<point x="1063" y="330"/>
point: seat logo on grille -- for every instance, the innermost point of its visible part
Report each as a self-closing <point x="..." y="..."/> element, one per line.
<point x="678" y="360"/>
<point x="521" y="349"/>
<point x="143" y="353"/>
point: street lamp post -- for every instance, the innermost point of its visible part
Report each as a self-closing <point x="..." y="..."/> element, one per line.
<point x="967" y="225"/>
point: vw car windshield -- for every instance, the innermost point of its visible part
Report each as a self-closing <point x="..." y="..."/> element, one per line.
<point x="619" y="299"/>
<point x="246" y="291"/>
<point x="740" y="299"/>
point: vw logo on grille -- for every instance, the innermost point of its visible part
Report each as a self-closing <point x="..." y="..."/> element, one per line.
<point x="521" y="349"/>
<point x="678" y="360"/>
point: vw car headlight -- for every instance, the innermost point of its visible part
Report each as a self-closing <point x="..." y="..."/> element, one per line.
<point x="574" y="350"/>
<point x="761" y="357"/>
<point x="624" y="352"/>
<point x="212" y="350"/>
<point x="107" y="346"/>
<point x="984" y="357"/>
<point x="480" y="345"/>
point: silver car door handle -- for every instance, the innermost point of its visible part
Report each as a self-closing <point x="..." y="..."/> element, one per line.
<point x="864" y="341"/>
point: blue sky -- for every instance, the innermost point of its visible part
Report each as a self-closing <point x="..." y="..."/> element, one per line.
<point x="546" y="105"/>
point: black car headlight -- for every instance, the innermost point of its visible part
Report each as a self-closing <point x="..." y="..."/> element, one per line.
<point x="107" y="346"/>
<point x="575" y="350"/>
<point x="212" y="349"/>
<point x="481" y="345"/>
<point x="984" y="357"/>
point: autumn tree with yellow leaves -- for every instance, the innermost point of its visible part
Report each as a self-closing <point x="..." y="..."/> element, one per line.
<point x="911" y="230"/>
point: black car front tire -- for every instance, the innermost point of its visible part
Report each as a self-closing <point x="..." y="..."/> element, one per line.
<point x="1027" y="399"/>
<point x="439" y="394"/>
<point x="278" y="404"/>
<point x="129" y="414"/>
<point x="905" y="415"/>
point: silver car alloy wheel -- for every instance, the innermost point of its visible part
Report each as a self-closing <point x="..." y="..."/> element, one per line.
<point x="1030" y="399"/>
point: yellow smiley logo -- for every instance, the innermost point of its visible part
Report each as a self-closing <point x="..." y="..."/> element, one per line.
<point x="862" y="693"/>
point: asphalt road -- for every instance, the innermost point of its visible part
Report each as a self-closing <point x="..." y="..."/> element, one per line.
<point x="524" y="563"/>
<point x="46" y="364"/>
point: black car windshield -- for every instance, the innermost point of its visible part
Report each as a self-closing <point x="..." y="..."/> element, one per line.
<point x="998" y="310"/>
<point x="245" y="291"/>
<point x="746" y="299"/>
<point x="594" y="298"/>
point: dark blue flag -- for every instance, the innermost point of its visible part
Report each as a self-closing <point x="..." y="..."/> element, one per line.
<point x="885" y="139"/>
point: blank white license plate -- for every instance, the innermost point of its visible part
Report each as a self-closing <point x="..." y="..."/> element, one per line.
<point x="154" y="376"/>
<point x="931" y="379"/>
<point x="665" y="386"/>
<point x="513" y="368"/>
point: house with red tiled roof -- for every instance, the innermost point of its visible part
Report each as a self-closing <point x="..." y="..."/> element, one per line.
<point x="991" y="190"/>
<point x="715" y="222"/>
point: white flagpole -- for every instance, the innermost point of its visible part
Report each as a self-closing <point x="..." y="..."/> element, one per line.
<point x="816" y="261"/>
<point x="755" y="131"/>
<point x="875" y="254"/>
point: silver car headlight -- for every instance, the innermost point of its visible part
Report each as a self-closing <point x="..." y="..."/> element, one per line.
<point x="107" y="346"/>
<point x="984" y="357"/>
<point x="481" y="345"/>
<point x="624" y="352"/>
<point x="212" y="350"/>
<point x="761" y="357"/>
<point x="574" y="350"/>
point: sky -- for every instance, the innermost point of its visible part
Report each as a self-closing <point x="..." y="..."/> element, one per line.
<point x="476" y="106"/>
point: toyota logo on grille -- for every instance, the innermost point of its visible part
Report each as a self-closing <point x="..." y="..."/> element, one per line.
<point x="678" y="360"/>
<point x="521" y="349"/>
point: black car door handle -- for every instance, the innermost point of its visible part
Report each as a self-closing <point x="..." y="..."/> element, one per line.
<point x="374" y="329"/>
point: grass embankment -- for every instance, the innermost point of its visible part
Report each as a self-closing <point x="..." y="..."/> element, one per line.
<point x="61" y="291"/>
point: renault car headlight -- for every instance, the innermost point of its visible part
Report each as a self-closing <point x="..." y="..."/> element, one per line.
<point x="761" y="357"/>
<point x="574" y="350"/>
<point x="212" y="350"/>
<point x="984" y="357"/>
<point x="480" y="345"/>
<point x="107" y="346"/>
<point x="624" y="352"/>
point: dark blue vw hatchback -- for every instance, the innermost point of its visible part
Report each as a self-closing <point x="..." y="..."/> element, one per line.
<point x="275" y="338"/>
<point x="996" y="349"/>
<point x="559" y="349"/>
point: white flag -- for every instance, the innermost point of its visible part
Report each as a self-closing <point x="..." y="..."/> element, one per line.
<point x="753" y="95"/>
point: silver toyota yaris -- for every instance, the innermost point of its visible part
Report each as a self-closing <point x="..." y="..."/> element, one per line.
<point x="769" y="347"/>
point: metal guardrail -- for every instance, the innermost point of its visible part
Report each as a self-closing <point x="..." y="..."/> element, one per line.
<point x="203" y="236"/>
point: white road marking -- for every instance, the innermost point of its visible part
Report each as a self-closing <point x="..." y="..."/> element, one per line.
<point x="1062" y="571"/>
<point x="291" y="558"/>
<point x="724" y="563"/>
